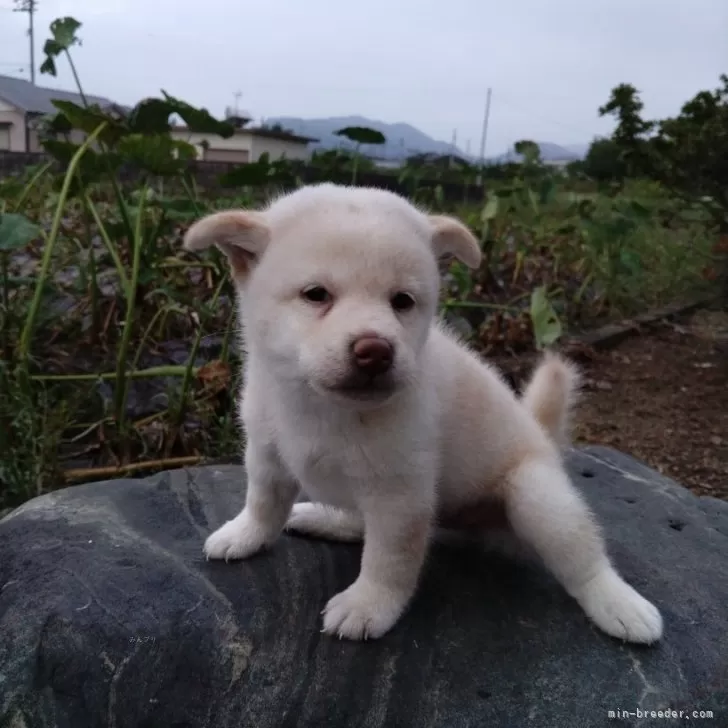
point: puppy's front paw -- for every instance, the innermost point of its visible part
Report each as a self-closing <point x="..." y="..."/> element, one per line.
<point x="237" y="539"/>
<point x="363" y="611"/>
<point x="620" y="610"/>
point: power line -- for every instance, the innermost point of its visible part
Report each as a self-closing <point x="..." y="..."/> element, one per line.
<point x="538" y="115"/>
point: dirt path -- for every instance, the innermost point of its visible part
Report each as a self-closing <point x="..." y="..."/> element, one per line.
<point x="662" y="397"/>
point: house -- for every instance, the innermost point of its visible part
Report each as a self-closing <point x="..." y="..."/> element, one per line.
<point x="22" y="104"/>
<point x="247" y="144"/>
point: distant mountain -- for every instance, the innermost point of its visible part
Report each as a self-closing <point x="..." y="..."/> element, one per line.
<point x="579" y="149"/>
<point x="403" y="140"/>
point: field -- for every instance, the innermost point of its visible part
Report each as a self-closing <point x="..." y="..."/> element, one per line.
<point x="118" y="351"/>
<point x="662" y="397"/>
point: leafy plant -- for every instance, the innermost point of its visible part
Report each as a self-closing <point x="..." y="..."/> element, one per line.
<point x="547" y="327"/>
<point x="360" y="135"/>
<point x="688" y="153"/>
<point x="16" y="232"/>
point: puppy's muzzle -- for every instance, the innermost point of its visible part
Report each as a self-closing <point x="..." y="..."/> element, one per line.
<point x="372" y="355"/>
<point x="370" y="375"/>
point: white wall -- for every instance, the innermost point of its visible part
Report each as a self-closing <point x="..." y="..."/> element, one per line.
<point x="242" y="141"/>
<point x="278" y="148"/>
<point x="237" y="143"/>
<point x="12" y="139"/>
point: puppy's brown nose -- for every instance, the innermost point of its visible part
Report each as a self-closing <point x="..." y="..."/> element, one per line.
<point x="373" y="355"/>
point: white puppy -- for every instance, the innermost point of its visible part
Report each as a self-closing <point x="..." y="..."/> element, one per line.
<point x="356" y="394"/>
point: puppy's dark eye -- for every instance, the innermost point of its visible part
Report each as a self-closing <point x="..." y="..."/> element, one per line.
<point x="402" y="301"/>
<point x="316" y="294"/>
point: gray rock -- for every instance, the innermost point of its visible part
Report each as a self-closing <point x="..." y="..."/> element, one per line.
<point x="110" y="616"/>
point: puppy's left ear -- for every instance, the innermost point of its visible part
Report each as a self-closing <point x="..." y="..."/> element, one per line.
<point x="451" y="237"/>
<point x="240" y="234"/>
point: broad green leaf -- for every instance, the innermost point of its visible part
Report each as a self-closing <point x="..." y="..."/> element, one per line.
<point x="490" y="211"/>
<point x="64" y="31"/>
<point x="630" y="260"/>
<point x="51" y="50"/>
<point x="546" y="324"/>
<point x="182" y="209"/>
<point x="586" y="209"/>
<point x="546" y="190"/>
<point x="89" y="119"/>
<point x="64" y="36"/>
<point x="504" y="192"/>
<point x="362" y="135"/>
<point x="439" y="196"/>
<point x="638" y="210"/>
<point x="158" y="154"/>
<point x="247" y="175"/>
<point x="91" y="168"/>
<point x="533" y="200"/>
<point x="55" y="125"/>
<point x="61" y="151"/>
<point x="16" y="231"/>
<point x="463" y="279"/>
<point x="199" y="120"/>
<point x="151" y="116"/>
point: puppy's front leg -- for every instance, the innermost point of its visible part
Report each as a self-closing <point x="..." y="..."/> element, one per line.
<point x="395" y="544"/>
<point x="271" y="494"/>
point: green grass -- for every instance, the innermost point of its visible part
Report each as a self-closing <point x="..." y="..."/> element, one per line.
<point x="89" y="311"/>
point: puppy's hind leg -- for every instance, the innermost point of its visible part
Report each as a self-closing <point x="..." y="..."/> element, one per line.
<point x="547" y="512"/>
<point x="327" y="522"/>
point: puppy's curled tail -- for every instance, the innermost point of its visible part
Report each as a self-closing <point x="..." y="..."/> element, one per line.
<point x="551" y="394"/>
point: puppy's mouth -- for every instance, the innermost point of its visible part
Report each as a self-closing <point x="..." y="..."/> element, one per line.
<point x="364" y="388"/>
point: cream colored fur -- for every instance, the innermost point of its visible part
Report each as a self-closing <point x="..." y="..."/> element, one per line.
<point x="440" y="433"/>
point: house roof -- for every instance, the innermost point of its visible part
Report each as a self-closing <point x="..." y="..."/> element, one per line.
<point x="32" y="99"/>
<point x="279" y="134"/>
<point x="264" y="132"/>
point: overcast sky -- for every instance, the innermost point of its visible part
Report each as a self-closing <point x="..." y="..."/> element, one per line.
<point x="551" y="63"/>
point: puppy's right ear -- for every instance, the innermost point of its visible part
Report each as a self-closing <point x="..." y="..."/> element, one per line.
<point x="451" y="237"/>
<point x="240" y="234"/>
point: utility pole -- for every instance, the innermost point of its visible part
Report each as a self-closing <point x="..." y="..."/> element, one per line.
<point x="237" y="95"/>
<point x="28" y="6"/>
<point x="484" y="136"/>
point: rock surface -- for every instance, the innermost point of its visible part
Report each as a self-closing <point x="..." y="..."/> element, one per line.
<point x="110" y="616"/>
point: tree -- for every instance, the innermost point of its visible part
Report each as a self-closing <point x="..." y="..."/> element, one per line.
<point x="688" y="153"/>
<point x="604" y="162"/>
<point x="626" y="105"/>
<point x="530" y="151"/>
